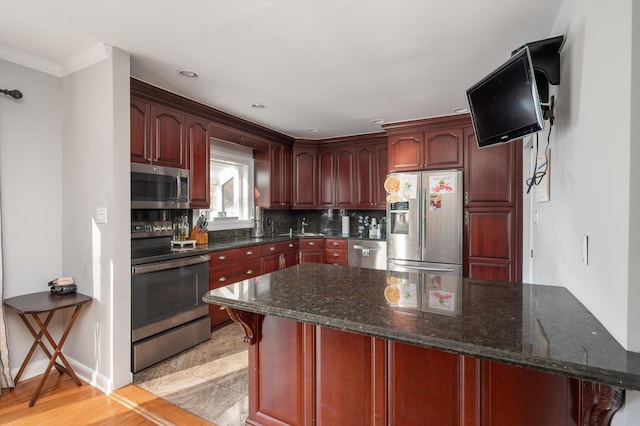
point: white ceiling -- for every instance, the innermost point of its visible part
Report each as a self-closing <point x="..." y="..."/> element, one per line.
<point x="333" y="65"/>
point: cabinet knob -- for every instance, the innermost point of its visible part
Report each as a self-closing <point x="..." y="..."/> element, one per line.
<point x="272" y="248"/>
<point x="249" y="271"/>
<point x="249" y="253"/>
<point x="336" y="244"/>
<point x="222" y="257"/>
<point x="222" y="279"/>
<point x="290" y="244"/>
<point x="335" y="255"/>
<point x="312" y="243"/>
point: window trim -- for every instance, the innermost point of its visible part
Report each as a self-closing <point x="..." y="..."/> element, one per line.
<point x="226" y="151"/>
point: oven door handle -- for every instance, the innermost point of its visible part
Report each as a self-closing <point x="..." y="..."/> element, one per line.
<point x="172" y="264"/>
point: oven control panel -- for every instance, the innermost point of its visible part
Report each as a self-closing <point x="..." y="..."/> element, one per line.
<point x="160" y="228"/>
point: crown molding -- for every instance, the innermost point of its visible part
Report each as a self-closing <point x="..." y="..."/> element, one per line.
<point x="82" y="60"/>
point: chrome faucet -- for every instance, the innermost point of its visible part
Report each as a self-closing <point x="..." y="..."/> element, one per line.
<point x="303" y="224"/>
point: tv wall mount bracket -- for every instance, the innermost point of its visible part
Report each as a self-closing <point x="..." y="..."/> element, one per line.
<point x="545" y="57"/>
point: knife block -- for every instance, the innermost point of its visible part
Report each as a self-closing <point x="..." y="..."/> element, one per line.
<point x="201" y="239"/>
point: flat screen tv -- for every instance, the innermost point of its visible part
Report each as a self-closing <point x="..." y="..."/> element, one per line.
<point x="505" y="105"/>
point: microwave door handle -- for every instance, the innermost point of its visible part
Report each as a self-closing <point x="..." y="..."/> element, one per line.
<point x="179" y="189"/>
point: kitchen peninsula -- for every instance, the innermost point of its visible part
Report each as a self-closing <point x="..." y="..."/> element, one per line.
<point x="339" y="345"/>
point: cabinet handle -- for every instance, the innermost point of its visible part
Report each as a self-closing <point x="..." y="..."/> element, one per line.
<point x="249" y="253"/>
<point x="312" y="244"/>
<point x="272" y="248"/>
<point x="336" y="244"/>
<point x="290" y="244"/>
<point x="466" y="218"/>
<point x="335" y="255"/>
<point x="249" y="271"/>
<point x="466" y="197"/>
<point x="222" y="279"/>
<point x="222" y="257"/>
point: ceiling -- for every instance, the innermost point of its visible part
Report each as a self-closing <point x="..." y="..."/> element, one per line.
<point x="329" y="65"/>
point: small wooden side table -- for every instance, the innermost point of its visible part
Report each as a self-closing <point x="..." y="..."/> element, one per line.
<point x="47" y="302"/>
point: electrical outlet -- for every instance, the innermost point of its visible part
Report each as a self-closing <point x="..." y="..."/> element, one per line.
<point x="101" y="215"/>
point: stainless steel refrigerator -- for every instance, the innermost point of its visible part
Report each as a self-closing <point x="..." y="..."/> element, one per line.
<point x="424" y="232"/>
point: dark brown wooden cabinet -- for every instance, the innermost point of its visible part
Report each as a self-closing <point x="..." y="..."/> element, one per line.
<point x="431" y="150"/>
<point x="336" y="177"/>
<point x="305" y="374"/>
<point x="199" y="153"/>
<point x="493" y="221"/>
<point x="371" y="171"/>
<point x="305" y="187"/>
<point x="335" y="251"/>
<point x="140" y="127"/>
<point x="311" y="250"/>
<point x="228" y="267"/>
<point x="279" y="255"/>
<point x="158" y="134"/>
<point x="274" y="176"/>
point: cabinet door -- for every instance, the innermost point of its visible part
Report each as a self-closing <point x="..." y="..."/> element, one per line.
<point x="443" y="149"/>
<point x="271" y="263"/>
<point x="382" y="163"/>
<point x="345" y="175"/>
<point x="168" y="135"/>
<point x="199" y="153"/>
<point x="140" y="130"/>
<point x="286" y="176"/>
<point x="304" y="182"/>
<point x="276" y="175"/>
<point x="491" y="173"/>
<point x="326" y="179"/>
<point x="366" y="177"/>
<point x="423" y="386"/>
<point x="405" y="152"/>
<point x="490" y="243"/>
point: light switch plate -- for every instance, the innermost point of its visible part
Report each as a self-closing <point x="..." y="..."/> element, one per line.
<point x="585" y="249"/>
<point x="101" y="215"/>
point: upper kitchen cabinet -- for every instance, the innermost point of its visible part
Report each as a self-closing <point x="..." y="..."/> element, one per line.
<point x="274" y="176"/>
<point x="490" y="175"/>
<point x="372" y="163"/>
<point x="336" y="177"/>
<point x="305" y="192"/>
<point x="158" y="134"/>
<point x="199" y="150"/>
<point x="429" y="144"/>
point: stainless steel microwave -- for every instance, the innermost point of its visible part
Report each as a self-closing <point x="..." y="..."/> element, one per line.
<point x="157" y="187"/>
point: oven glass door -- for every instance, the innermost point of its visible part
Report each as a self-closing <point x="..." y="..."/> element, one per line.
<point x="164" y="292"/>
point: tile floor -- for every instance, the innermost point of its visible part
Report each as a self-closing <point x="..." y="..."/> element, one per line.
<point x="208" y="380"/>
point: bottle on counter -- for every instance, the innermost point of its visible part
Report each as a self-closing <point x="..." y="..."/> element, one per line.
<point x="360" y="227"/>
<point x="373" y="229"/>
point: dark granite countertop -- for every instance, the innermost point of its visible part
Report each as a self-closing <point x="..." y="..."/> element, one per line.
<point x="245" y="242"/>
<point x="540" y="327"/>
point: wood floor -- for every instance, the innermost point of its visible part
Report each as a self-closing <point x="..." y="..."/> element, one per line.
<point x="62" y="402"/>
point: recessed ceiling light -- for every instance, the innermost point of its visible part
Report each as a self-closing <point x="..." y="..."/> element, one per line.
<point x="377" y="121"/>
<point x="257" y="105"/>
<point x="187" y="73"/>
<point x="461" y="109"/>
<point x="312" y="130"/>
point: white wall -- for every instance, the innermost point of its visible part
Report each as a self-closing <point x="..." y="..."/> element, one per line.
<point x="64" y="151"/>
<point x="96" y="174"/>
<point x="31" y="190"/>
<point x="591" y="174"/>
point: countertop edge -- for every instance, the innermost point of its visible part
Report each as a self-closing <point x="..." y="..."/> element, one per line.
<point x="595" y="374"/>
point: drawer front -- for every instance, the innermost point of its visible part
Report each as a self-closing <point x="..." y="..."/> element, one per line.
<point x="335" y="244"/>
<point x="280" y="247"/>
<point x="225" y="257"/>
<point x="311" y="244"/>
<point x="338" y="257"/>
<point x="221" y="276"/>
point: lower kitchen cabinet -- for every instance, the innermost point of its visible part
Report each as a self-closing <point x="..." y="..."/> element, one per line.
<point x="311" y="250"/>
<point x="279" y="255"/>
<point x="228" y="267"/>
<point x="335" y="251"/>
<point x="299" y="372"/>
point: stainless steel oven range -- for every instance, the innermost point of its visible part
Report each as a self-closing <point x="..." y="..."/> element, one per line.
<point x="167" y="285"/>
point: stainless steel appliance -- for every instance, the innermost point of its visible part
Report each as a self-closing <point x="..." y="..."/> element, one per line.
<point x="157" y="187"/>
<point x="370" y="254"/>
<point x="167" y="285"/>
<point x="257" y="230"/>
<point x="425" y="221"/>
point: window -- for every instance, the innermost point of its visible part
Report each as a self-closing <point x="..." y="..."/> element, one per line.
<point x="231" y="186"/>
